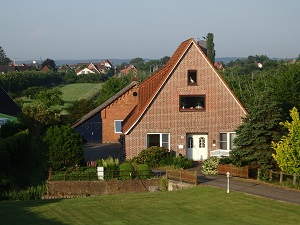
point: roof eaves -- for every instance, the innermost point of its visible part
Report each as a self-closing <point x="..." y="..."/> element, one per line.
<point x="105" y="104"/>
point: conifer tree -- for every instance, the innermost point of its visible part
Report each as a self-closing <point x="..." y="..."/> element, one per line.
<point x="210" y="46"/>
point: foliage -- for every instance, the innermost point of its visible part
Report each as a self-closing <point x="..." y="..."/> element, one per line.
<point x="211" y="53"/>
<point x="210" y="165"/>
<point x="254" y="136"/>
<point x="17" y="82"/>
<point x="143" y="171"/>
<point x="64" y="146"/>
<point x="126" y="171"/>
<point x="50" y="63"/>
<point x="111" y="87"/>
<point x="288" y="148"/>
<point x="50" y="97"/>
<point x="23" y="160"/>
<point x="75" y="173"/>
<point x="111" y="167"/>
<point x="78" y="109"/>
<point x="181" y="162"/>
<point x="152" y="156"/>
<point x="11" y="128"/>
<point x="30" y="193"/>
<point x="163" y="184"/>
<point x="4" y="61"/>
<point x="37" y="117"/>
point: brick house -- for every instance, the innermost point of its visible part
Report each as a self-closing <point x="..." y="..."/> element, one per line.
<point x="186" y="107"/>
<point x="103" y="124"/>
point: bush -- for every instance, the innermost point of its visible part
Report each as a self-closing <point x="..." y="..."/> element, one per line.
<point x="210" y="165"/>
<point x="111" y="167"/>
<point x="65" y="147"/>
<point x="163" y="184"/>
<point x="31" y="193"/>
<point x="144" y="171"/>
<point x="152" y="156"/>
<point x="182" y="162"/>
<point x="126" y="171"/>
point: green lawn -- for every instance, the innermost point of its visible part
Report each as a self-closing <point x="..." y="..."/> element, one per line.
<point x="198" y="205"/>
<point x="73" y="92"/>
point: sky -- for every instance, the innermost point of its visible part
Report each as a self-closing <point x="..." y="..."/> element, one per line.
<point x="152" y="29"/>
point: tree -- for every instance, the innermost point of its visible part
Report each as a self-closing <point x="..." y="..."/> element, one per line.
<point x="254" y="136"/>
<point x="50" y="97"/>
<point x="210" y="46"/>
<point x="50" y="63"/>
<point x="37" y="117"/>
<point x="65" y="147"/>
<point x="288" y="148"/>
<point x="4" y="61"/>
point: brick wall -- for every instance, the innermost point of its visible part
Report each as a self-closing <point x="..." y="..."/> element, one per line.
<point x="118" y="110"/>
<point x="222" y="113"/>
<point x="61" y="189"/>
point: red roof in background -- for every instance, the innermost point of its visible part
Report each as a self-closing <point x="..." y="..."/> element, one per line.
<point x="149" y="88"/>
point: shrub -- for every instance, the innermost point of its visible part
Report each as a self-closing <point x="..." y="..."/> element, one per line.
<point x="152" y="156"/>
<point x="182" y="162"/>
<point x="225" y="160"/>
<point x="126" y="171"/>
<point x="163" y="184"/>
<point x="31" y="193"/>
<point x="111" y="167"/>
<point x="144" y="171"/>
<point x="65" y="147"/>
<point x="210" y="165"/>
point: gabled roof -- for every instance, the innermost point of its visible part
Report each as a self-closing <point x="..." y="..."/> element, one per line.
<point x="150" y="87"/>
<point x="105" y="104"/>
<point x="7" y="105"/>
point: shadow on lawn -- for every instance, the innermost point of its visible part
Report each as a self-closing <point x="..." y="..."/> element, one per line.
<point x="20" y="212"/>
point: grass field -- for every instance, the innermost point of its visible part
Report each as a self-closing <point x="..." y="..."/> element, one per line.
<point x="73" y="92"/>
<point x="198" y="205"/>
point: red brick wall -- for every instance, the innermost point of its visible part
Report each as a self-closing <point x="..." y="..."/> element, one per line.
<point x="222" y="113"/>
<point x="118" y="110"/>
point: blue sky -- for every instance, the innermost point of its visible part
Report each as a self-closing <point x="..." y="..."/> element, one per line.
<point x="125" y="29"/>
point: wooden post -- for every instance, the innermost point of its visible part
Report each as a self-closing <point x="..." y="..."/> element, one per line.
<point x="196" y="178"/>
<point x="294" y="179"/>
<point x="258" y="174"/>
<point x="270" y="175"/>
<point x="281" y="175"/>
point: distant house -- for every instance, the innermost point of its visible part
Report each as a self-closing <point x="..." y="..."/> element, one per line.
<point x="104" y="123"/>
<point x="7" y="105"/>
<point x="7" y="69"/>
<point x="129" y="70"/>
<point x="219" y="66"/>
<point x="185" y="107"/>
<point x="45" y="69"/>
<point x="84" y="71"/>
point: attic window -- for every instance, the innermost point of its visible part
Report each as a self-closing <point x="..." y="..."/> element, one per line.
<point x="190" y="102"/>
<point x="192" y="77"/>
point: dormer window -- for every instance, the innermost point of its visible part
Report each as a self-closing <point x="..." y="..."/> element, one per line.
<point x="192" y="77"/>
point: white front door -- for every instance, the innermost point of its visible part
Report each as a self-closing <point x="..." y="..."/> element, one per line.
<point x="196" y="146"/>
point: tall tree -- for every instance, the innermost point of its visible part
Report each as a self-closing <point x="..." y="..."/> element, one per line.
<point x="210" y="46"/>
<point x="50" y="63"/>
<point x="288" y="148"/>
<point x="4" y="61"/>
<point x="254" y="136"/>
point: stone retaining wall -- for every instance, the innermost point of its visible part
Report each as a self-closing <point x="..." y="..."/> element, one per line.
<point x="65" y="189"/>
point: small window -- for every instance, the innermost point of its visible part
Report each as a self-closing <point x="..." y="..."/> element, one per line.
<point x="192" y="77"/>
<point x="226" y="140"/>
<point x="158" y="139"/>
<point x="192" y="103"/>
<point x="118" y="126"/>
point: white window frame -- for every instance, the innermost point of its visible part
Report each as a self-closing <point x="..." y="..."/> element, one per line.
<point x="228" y="141"/>
<point x="115" y="127"/>
<point x="160" y="140"/>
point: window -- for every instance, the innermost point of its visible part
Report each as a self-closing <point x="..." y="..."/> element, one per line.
<point x="158" y="139"/>
<point x="192" y="77"/>
<point x="226" y="140"/>
<point x="118" y="126"/>
<point x="192" y="103"/>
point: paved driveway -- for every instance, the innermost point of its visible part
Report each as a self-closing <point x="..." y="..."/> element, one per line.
<point x="93" y="151"/>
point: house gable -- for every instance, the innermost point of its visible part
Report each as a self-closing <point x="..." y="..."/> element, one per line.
<point x="7" y="105"/>
<point x="159" y="110"/>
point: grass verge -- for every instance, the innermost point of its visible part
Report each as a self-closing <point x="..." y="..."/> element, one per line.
<point x="198" y="205"/>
